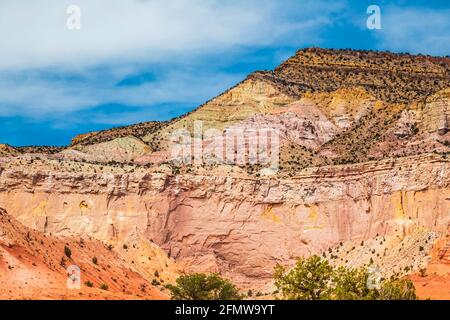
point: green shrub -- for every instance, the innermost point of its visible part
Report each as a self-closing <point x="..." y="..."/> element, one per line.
<point x="423" y="272"/>
<point x="308" y="280"/>
<point x="200" y="286"/>
<point x="398" y="289"/>
<point x="67" y="251"/>
<point x="315" y="279"/>
<point x="155" y="282"/>
<point x="351" y="284"/>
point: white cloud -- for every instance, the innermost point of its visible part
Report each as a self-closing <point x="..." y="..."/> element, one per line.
<point x="415" y="30"/>
<point x="37" y="98"/>
<point x="118" y="38"/>
<point x="33" y="33"/>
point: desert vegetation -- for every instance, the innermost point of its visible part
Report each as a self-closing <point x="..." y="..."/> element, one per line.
<point x="312" y="278"/>
<point x="200" y="286"/>
<point x="315" y="279"/>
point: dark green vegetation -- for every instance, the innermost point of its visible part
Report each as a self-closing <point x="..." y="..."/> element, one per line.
<point x="310" y="279"/>
<point x="199" y="286"/>
<point x="395" y="78"/>
<point x="67" y="252"/>
<point x="315" y="279"/>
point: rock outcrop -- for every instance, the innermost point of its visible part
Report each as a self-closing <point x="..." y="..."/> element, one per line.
<point x="437" y="113"/>
<point x="233" y="224"/>
<point x="35" y="266"/>
<point x="363" y="159"/>
<point x="248" y="98"/>
<point x="7" y="150"/>
<point x="125" y="149"/>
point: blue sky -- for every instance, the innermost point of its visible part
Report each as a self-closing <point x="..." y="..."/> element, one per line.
<point x="142" y="60"/>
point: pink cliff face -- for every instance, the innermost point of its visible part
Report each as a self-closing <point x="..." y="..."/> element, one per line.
<point x="361" y="177"/>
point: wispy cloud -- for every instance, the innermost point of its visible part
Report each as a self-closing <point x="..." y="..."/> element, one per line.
<point x="415" y="30"/>
<point x="34" y="34"/>
<point x="38" y="97"/>
<point x="47" y="70"/>
<point x="138" y="60"/>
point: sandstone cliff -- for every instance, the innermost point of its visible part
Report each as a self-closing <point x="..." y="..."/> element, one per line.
<point x="233" y="224"/>
<point x="34" y="266"/>
<point x="363" y="173"/>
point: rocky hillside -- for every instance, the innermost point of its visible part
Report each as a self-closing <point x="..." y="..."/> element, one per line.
<point x="363" y="175"/>
<point x="380" y="104"/>
<point x="33" y="266"/>
<point x="137" y="130"/>
<point x="374" y="105"/>
<point x="211" y="222"/>
<point x="6" y="150"/>
<point x="395" y="78"/>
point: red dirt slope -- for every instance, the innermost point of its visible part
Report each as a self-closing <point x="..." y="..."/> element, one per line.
<point x="33" y="266"/>
<point x="434" y="283"/>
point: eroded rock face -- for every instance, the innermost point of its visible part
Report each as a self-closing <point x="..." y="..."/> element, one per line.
<point x="437" y="112"/>
<point x="248" y="98"/>
<point x="121" y="150"/>
<point x="300" y="122"/>
<point x="239" y="226"/>
<point x="7" y="150"/>
<point x="35" y="266"/>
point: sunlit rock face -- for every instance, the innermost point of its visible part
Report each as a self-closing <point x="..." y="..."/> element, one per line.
<point x="238" y="226"/>
<point x="437" y="112"/>
<point x="361" y="164"/>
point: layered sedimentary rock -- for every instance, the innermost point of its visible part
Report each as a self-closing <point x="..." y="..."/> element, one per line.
<point x="394" y="78"/>
<point x="7" y="150"/>
<point x="437" y="112"/>
<point x="239" y="226"/>
<point x="248" y="98"/>
<point x="363" y="161"/>
<point x="36" y="266"/>
<point x="118" y="150"/>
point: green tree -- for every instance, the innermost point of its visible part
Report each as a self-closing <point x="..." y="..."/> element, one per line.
<point x="398" y="289"/>
<point x="351" y="284"/>
<point x="315" y="279"/>
<point x="308" y="280"/>
<point x="200" y="286"/>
